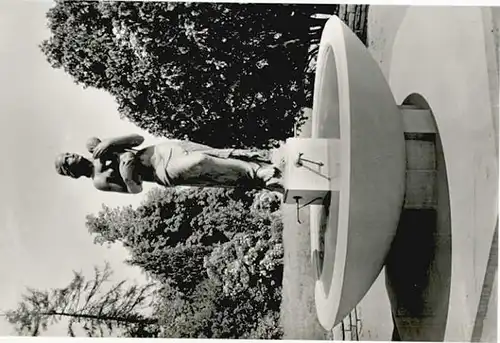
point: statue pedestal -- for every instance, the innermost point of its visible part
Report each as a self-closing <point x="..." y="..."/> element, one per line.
<point x="311" y="171"/>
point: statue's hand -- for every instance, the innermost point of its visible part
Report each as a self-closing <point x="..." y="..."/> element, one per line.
<point x="101" y="149"/>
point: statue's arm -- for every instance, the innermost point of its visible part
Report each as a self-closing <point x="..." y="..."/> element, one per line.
<point x="129" y="174"/>
<point x="127" y="141"/>
<point x="117" y="145"/>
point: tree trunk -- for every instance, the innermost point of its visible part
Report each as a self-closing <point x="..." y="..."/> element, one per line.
<point x="103" y="317"/>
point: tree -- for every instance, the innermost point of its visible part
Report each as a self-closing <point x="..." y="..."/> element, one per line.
<point x="171" y="232"/>
<point x="249" y="270"/>
<point x="97" y="311"/>
<point x="240" y="298"/>
<point x="250" y="263"/>
<point x="191" y="316"/>
<point x="189" y="239"/>
<point x="184" y="69"/>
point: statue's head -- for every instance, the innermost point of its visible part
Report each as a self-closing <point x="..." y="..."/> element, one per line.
<point x="73" y="165"/>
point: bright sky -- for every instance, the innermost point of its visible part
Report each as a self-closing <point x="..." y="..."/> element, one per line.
<point x="42" y="215"/>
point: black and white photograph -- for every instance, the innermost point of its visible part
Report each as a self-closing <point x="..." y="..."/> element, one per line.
<point x="249" y="170"/>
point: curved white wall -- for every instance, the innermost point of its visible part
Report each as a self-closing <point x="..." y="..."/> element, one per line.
<point x="445" y="55"/>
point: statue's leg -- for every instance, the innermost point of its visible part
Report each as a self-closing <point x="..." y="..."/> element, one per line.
<point x="269" y="171"/>
<point x="252" y="154"/>
<point x="249" y="155"/>
<point x="199" y="168"/>
<point x="217" y="167"/>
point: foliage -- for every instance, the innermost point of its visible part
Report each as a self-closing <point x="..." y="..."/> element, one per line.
<point x="184" y="69"/>
<point x="171" y="232"/>
<point x="249" y="271"/>
<point x="216" y="253"/>
<point x="188" y="316"/>
<point x="249" y="263"/>
<point x="97" y="311"/>
<point x="190" y="239"/>
<point x="209" y="313"/>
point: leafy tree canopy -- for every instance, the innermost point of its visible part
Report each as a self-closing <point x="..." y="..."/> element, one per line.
<point x="186" y="70"/>
<point x="218" y="254"/>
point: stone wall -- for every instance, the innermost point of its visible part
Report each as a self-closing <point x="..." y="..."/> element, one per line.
<point x="356" y="17"/>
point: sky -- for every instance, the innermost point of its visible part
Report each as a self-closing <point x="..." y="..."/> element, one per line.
<point x="43" y="237"/>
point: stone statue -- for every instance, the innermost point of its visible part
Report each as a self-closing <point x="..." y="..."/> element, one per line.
<point x="118" y="166"/>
